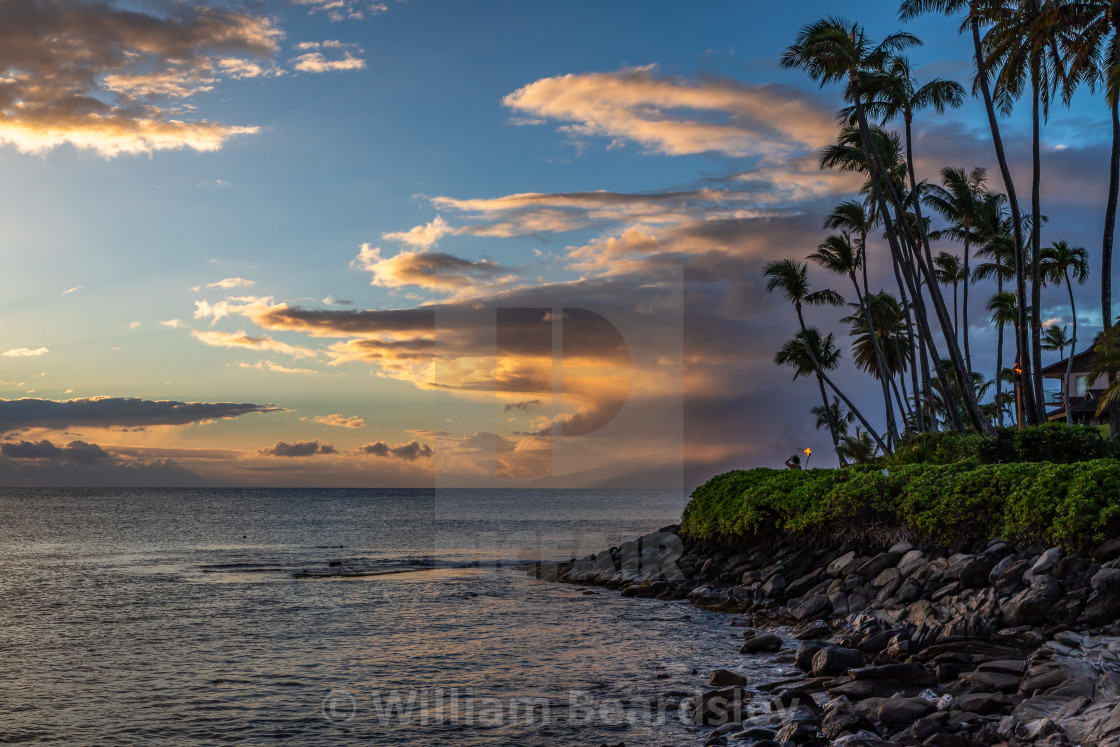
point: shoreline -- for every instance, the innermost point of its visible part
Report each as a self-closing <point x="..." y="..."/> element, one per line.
<point x="996" y="644"/>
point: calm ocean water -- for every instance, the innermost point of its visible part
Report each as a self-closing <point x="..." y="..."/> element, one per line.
<point x="175" y="616"/>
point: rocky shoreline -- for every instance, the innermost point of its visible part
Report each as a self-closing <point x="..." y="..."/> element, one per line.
<point x="989" y="644"/>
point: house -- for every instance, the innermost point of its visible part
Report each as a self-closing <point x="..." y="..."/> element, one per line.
<point x="1084" y="394"/>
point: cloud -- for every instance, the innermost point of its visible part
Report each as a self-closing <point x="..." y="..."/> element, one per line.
<point x="315" y="61"/>
<point x="240" y="339"/>
<point x="76" y="288"/>
<point x="232" y="283"/>
<point x="341" y="421"/>
<point x="424" y="236"/>
<point x="431" y="270"/>
<point x="676" y="116"/>
<point x="342" y="10"/>
<point x="298" y="449"/>
<point x="332" y="301"/>
<point x="105" y="412"/>
<point x="409" y="452"/>
<point x="276" y="368"/>
<point x="173" y="323"/>
<point x="525" y="406"/>
<point x="79" y="452"/>
<point x="25" y="352"/>
<point x="109" y="76"/>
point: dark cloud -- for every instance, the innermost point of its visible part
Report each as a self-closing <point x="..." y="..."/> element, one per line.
<point x="104" y="412"/>
<point x="409" y="452"/>
<point x="525" y="406"/>
<point x="79" y="452"/>
<point x="298" y="449"/>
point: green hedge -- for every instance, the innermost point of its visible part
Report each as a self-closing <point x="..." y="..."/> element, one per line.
<point x="1058" y="504"/>
<point x="1053" y="442"/>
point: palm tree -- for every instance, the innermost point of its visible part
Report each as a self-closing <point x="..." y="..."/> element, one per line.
<point x="1004" y="308"/>
<point x="881" y="346"/>
<point x="1095" y="57"/>
<point x="1023" y="49"/>
<point x="859" y="448"/>
<point x="1062" y="262"/>
<point x="1106" y="362"/>
<point x="833" y="50"/>
<point x="976" y="13"/>
<point x="804" y="353"/>
<point x="837" y="255"/>
<point x="833" y="412"/>
<point x="1055" y="338"/>
<point x="959" y="202"/>
<point x="949" y="270"/>
<point x="792" y="279"/>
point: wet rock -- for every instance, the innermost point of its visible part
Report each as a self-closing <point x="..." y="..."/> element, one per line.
<point x="760" y="643"/>
<point x="1106" y="581"/>
<point x="834" y="660"/>
<point x="776" y="584"/>
<point x="796" y="734"/>
<point x="1045" y="562"/>
<point x="719" y="707"/>
<point x="803" y="660"/>
<point x="991" y="681"/>
<point x="725" y="678"/>
<point x="800" y="586"/>
<point x="878" y="564"/>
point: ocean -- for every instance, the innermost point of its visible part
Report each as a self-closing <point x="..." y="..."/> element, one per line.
<point x="206" y="616"/>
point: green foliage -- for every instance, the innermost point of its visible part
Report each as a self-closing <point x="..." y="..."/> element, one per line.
<point x="1053" y="442"/>
<point x="1062" y="504"/>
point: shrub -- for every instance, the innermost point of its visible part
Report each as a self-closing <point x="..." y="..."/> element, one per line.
<point x="1052" y="442"/>
<point x="1065" y="504"/>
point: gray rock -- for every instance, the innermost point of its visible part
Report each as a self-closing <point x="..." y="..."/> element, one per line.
<point x="911" y="561"/>
<point x="984" y="703"/>
<point x="1032" y="606"/>
<point x="842" y="565"/>
<point x="878" y="564"/>
<point x="894" y="713"/>
<point x="1106" y="581"/>
<point x="887" y="577"/>
<point x="907" y="673"/>
<point x="901" y="548"/>
<point x="834" y="660"/>
<point x="803" y="659"/>
<point x="1107" y="550"/>
<point x="1045" y="562"/>
<point x="811" y="605"/>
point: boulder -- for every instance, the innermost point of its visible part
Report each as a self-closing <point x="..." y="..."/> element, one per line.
<point x="1045" y="562"/>
<point x="760" y="643"/>
<point x="878" y="564"/>
<point x="803" y="659"/>
<point x="911" y="561"/>
<point x="842" y="565"/>
<point x="834" y="660"/>
<point x="1107" y="550"/>
<point x="891" y="714"/>
<point x="1106" y="581"/>
<point x="812" y="605"/>
<point x="908" y="673"/>
<point x="984" y="704"/>
<point x="719" y="707"/>
<point x="1032" y="606"/>
<point x="776" y="584"/>
<point x="725" y="678"/>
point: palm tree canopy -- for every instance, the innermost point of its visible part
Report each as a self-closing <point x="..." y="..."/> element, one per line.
<point x="948" y="268"/>
<point x="888" y="316"/>
<point x="894" y="91"/>
<point x="959" y="202"/>
<point x="836" y="413"/>
<point x="837" y="255"/>
<point x="792" y="279"/>
<point x="793" y="353"/>
<point x="1060" y="258"/>
<point x="1055" y="338"/>
<point x="1004" y="308"/>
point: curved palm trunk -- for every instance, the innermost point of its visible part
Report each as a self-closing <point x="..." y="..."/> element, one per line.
<point x="999" y="360"/>
<point x="833" y="428"/>
<point x="916" y="351"/>
<point x="1035" y="379"/>
<point x="956" y="311"/>
<point x="1113" y="187"/>
<point x="820" y="372"/>
<point x="964" y="304"/>
<point x="1072" y="351"/>
<point x="1009" y="185"/>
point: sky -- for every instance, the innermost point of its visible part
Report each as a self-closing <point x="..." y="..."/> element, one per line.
<point x="423" y="242"/>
